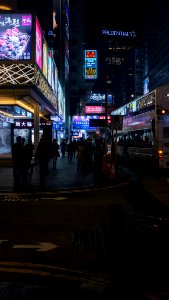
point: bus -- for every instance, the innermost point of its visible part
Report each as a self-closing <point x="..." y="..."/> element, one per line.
<point x="144" y="133"/>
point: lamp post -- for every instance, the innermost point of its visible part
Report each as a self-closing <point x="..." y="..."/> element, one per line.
<point x="108" y="82"/>
<point x="106" y="122"/>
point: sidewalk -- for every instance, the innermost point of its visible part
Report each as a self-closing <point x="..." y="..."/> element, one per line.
<point x="64" y="176"/>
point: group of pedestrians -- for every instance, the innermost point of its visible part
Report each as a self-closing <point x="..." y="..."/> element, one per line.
<point x="88" y="155"/>
<point x="22" y="158"/>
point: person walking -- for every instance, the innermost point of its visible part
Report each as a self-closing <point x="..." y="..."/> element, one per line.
<point x="55" y="152"/>
<point x="69" y="150"/>
<point x="18" y="162"/>
<point x="81" y="155"/>
<point x="42" y="158"/>
<point x="63" y="147"/>
<point x="74" y="148"/>
<point x="29" y="154"/>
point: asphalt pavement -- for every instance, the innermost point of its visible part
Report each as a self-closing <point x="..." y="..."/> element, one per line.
<point x="66" y="176"/>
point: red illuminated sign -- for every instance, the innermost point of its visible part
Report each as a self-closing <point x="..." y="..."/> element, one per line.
<point x="90" y="54"/>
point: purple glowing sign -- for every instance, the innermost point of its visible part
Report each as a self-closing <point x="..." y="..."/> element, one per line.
<point x="38" y="44"/>
<point x="83" y="122"/>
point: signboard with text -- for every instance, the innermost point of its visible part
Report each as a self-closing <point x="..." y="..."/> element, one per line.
<point x="29" y="123"/>
<point x="94" y="109"/>
<point x="90" y="64"/>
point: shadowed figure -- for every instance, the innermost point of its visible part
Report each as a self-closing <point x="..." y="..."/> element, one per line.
<point x="43" y="155"/>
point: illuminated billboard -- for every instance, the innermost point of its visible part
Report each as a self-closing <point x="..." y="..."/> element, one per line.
<point x="90" y="64"/>
<point x="94" y="109"/>
<point x="15" y="36"/>
<point x="84" y="122"/>
<point x="45" y="58"/>
<point x="38" y="44"/>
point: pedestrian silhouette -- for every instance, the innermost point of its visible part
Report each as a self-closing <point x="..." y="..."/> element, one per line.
<point x="55" y="152"/>
<point x="81" y="155"/>
<point x="29" y="154"/>
<point x="69" y="150"/>
<point x="42" y="157"/>
<point x="18" y="162"/>
<point x="63" y="147"/>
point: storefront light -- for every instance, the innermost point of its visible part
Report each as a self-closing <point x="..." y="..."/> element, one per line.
<point x="25" y="106"/>
<point x="5" y="114"/>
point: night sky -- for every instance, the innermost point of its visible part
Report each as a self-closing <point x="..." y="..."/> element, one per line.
<point x="115" y="14"/>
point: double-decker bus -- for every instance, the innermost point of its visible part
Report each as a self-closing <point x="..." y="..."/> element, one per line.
<point x="144" y="133"/>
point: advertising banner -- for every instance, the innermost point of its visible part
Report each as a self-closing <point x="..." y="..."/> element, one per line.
<point x="38" y="44"/>
<point x="15" y="36"/>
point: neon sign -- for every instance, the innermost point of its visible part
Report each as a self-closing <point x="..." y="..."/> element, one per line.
<point x="119" y="33"/>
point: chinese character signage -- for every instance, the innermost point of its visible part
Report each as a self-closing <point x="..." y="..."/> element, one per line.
<point x="83" y="122"/>
<point x="29" y="123"/>
<point x="90" y="64"/>
<point x="15" y="36"/>
<point x="23" y="123"/>
<point x="94" y="109"/>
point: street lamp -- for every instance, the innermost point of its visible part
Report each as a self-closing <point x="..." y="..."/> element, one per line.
<point x="108" y="82"/>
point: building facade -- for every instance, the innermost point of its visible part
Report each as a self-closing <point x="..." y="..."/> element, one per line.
<point x="30" y="90"/>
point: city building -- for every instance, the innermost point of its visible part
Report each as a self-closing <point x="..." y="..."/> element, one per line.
<point x="155" y="31"/>
<point x="30" y="89"/>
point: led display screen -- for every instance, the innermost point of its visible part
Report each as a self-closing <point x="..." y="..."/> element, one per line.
<point x="84" y="122"/>
<point x="90" y="64"/>
<point x="15" y="36"/>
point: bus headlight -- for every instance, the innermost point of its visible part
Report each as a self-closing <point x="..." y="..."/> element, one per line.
<point x="160" y="153"/>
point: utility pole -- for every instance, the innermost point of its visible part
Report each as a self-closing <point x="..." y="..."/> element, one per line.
<point x="106" y="122"/>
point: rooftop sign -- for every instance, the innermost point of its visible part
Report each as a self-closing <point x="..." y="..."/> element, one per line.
<point x="119" y="33"/>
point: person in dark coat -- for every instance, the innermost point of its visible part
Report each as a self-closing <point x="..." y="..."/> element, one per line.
<point x="42" y="157"/>
<point x="55" y="152"/>
<point x="29" y="153"/>
<point x="18" y="162"/>
<point x="63" y="147"/>
<point x="69" y="151"/>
